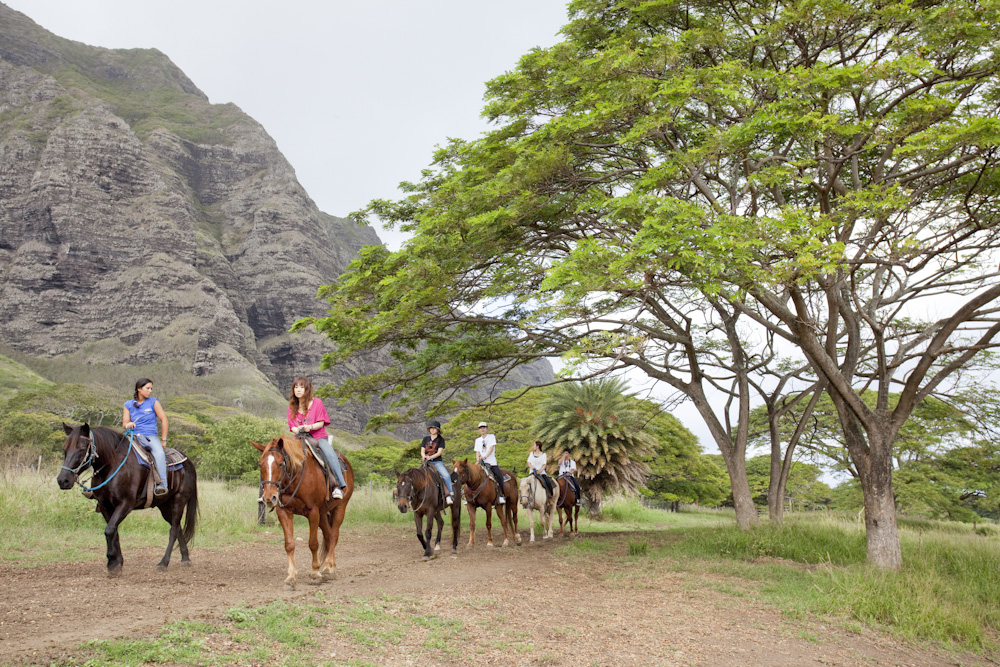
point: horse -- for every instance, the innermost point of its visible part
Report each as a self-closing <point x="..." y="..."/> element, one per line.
<point x="292" y="482"/>
<point x="118" y="484"/>
<point x="534" y="497"/>
<point x="481" y="492"/>
<point x="567" y="501"/>
<point x="420" y="489"/>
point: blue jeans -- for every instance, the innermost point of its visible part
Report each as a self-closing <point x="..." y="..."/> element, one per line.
<point x="333" y="460"/>
<point x="443" y="471"/>
<point x="153" y="445"/>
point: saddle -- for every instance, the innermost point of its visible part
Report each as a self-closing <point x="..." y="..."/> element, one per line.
<point x="488" y="469"/>
<point x="546" y="481"/>
<point x="145" y="459"/>
<point x="313" y="446"/>
<point x="442" y="490"/>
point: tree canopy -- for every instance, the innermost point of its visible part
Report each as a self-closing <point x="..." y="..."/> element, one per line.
<point x="677" y="183"/>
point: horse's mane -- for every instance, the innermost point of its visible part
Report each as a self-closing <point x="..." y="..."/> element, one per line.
<point x="107" y="441"/>
<point x="295" y="450"/>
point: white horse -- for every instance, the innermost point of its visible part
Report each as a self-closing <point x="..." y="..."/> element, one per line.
<point x="533" y="497"/>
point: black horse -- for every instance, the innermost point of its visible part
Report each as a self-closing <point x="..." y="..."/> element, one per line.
<point x="118" y="484"/>
<point x="420" y="489"/>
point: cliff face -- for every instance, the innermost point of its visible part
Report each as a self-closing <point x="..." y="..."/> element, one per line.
<point x="140" y="224"/>
<point x="145" y="225"/>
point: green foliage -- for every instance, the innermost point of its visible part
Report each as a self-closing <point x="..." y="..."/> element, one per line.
<point x="804" y="489"/>
<point x="379" y="459"/>
<point x="512" y="421"/>
<point x="229" y="452"/>
<point x="33" y="434"/>
<point x="604" y="432"/>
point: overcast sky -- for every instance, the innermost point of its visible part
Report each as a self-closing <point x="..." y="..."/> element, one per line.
<point x="356" y="94"/>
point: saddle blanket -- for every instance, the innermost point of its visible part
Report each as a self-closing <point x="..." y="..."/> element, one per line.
<point x="174" y="458"/>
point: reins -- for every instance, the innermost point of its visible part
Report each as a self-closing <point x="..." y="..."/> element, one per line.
<point x="92" y="456"/>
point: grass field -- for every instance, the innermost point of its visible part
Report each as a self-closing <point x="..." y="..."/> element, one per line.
<point x="813" y="566"/>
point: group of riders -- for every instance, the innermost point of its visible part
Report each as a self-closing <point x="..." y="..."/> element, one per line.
<point x="432" y="448"/>
<point x="306" y="415"/>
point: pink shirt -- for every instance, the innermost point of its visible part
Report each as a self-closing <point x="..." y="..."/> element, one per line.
<point x="315" y="413"/>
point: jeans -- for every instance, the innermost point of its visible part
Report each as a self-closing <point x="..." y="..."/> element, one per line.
<point x="333" y="460"/>
<point x="443" y="471"/>
<point x="153" y="445"/>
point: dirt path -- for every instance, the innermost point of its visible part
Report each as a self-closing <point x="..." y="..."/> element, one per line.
<point x="533" y="605"/>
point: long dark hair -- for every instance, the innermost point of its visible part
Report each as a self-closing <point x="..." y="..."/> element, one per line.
<point x="139" y="384"/>
<point x="294" y="402"/>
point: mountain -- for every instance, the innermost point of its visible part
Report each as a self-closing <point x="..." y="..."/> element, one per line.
<point x="144" y="229"/>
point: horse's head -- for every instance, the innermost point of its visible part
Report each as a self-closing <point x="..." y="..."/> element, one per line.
<point x="78" y="454"/>
<point x="525" y="491"/>
<point x="273" y="468"/>
<point x="462" y="471"/>
<point x="403" y="491"/>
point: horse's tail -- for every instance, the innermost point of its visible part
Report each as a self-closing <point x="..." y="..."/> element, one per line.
<point x="191" y="520"/>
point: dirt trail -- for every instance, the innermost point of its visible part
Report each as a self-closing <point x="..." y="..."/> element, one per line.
<point x="530" y="605"/>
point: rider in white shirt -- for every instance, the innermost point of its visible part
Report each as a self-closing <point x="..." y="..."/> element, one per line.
<point x="536" y="465"/>
<point x="567" y="469"/>
<point x="486" y="446"/>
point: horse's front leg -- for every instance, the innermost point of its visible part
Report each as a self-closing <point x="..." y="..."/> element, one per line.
<point x="114" y="519"/>
<point x="418" y="521"/>
<point x="531" y="525"/>
<point x="315" y="576"/>
<point x="562" y="533"/>
<point x="337" y="518"/>
<point x="489" y="526"/>
<point x="440" y="524"/>
<point x="285" y="519"/>
<point x="426" y="539"/>
<point x="472" y="523"/>
<point x="548" y="516"/>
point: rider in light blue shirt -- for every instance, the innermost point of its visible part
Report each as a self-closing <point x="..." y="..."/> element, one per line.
<point x="141" y="414"/>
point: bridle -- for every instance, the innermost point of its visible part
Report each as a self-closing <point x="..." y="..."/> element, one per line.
<point x="468" y="478"/>
<point x="413" y="489"/>
<point x="533" y="483"/>
<point x="283" y="482"/>
<point x="91" y="457"/>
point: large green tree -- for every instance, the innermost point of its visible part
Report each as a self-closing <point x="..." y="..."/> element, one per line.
<point x="675" y="179"/>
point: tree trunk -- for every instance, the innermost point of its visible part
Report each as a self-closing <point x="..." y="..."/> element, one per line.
<point x="872" y="457"/>
<point x="746" y="511"/>
<point x="779" y="478"/>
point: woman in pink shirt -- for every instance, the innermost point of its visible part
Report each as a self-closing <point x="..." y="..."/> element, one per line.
<point x="307" y="414"/>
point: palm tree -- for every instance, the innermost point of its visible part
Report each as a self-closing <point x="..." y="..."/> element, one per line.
<point x="597" y="423"/>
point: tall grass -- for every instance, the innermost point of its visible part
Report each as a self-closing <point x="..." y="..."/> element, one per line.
<point x="947" y="589"/>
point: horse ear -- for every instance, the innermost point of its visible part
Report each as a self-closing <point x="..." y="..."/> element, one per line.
<point x="85" y="430"/>
<point x="67" y="428"/>
<point x="258" y="445"/>
<point x="278" y="443"/>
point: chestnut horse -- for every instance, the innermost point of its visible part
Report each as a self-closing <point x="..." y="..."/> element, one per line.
<point x="567" y="501"/>
<point x="420" y="489"/>
<point x="534" y="497"/>
<point x="117" y="485"/>
<point x="292" y="482"/>
<point x="481" y="492"/>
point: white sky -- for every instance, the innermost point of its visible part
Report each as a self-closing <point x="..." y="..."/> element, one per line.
<point x="356" y="94"/>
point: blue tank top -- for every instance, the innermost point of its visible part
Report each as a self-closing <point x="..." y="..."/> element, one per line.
<point x="143" y="415"/>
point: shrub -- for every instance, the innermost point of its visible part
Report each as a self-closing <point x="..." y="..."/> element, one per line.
<point x="228" y="452"/>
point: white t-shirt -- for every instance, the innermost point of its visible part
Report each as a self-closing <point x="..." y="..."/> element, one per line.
<point x="567" y="467"/>
<point x="487" y="444"/>
<point x="537" y="461"/>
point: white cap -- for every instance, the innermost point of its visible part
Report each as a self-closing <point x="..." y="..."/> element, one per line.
<point x="482" y="424"/>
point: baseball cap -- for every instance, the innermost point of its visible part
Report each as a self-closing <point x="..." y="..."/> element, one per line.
<point x="482" y="424"/>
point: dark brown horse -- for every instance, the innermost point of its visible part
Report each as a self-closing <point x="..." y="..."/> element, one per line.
<point x="292" y="482"/>
<point x="481" y="492"/>
<point x="420" y="489"/>
<point x="567" y="502"/>
<point x="118" y="485"/>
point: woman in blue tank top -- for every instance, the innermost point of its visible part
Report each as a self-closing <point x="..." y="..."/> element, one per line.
<point x="141" y="414"/>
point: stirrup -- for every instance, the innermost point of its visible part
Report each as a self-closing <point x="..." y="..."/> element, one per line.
<point x="160" y="490"/>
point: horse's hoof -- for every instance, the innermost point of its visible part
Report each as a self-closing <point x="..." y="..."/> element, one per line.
<point x="161" y="567"/>
<point x="506" y="543"/>
<point x="330" y="576"/>
<point x="185" y="563"/>
<point x="114" y="572"/>
<point x="426" y="558"/>
<point x="289" y="585"/>
<point x="489" y="544"/>
<point x="531" y="540"/>
<point x="437" y="547"/>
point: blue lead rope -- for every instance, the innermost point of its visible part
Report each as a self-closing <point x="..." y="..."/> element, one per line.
<point x="130" y="433"/>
